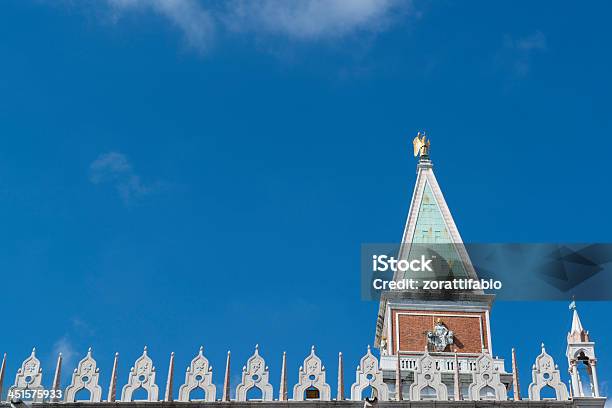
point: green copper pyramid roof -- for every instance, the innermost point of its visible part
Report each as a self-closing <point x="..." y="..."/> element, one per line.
<point x="432" y="238"/>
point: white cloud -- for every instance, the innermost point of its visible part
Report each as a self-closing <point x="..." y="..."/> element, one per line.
<point x="311" y="19"/>
<point x="189" y="16"/>
<point x="305" y="20"/>
<point x="519" y="51"/>
<point x="535" y="41"/>
<point x="114" y="168"/>
<point x="64" y="346"/>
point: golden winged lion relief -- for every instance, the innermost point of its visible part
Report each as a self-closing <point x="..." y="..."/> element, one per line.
<point x="421" y="145"/>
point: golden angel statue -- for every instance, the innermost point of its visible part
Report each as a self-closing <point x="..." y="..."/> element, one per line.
<point x="421" y="145"/>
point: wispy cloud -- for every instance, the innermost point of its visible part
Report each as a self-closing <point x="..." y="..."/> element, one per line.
<point x="195" y="22"/>
<point x="65" y="346"/>
<point x="304" y="20"/>
<point x="311" y="19"/>
<point x="114" y="168"/>
<point x="518" y="53"/>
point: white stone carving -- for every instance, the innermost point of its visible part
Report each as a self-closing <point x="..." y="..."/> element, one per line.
<point x="85" y="376"/>
<point x="427" y="381"/>
<point x="312" y="374"/>
<point x="486" y="383"/>
<point x="29" y="376"/>
<point x="142" y="375"/>
<point x="255" y="374"/>
<point x="384" y="351"/>
<point x="369" y="375"/>
<point x="440" y="337"/>
<point x="545" y="373"/>
<point x="198" y="375"/>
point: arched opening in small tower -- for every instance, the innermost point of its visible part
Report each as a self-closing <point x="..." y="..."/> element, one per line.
<point x="140" y="394"/>
<point x="428" y="393"/>
<point x="487" y="393"/>
<point x="584" y="374"/>
<point x="82" y="395"/>
<point x="312" y="393"/>
<point x="547" y="392"/>
<point x="197" y="394"/>
<point x="368" y="392"/>
<point x="254" y="394"/>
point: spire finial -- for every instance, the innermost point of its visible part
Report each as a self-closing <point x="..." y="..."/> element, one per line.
<point x="56" y="376"/>
<point x="2" y="371"/>
<point x="282" y="392"/>
<point x="226" y="380"/>
<point x="170" y="380"/>
<point x="516" y="390"/>
<point x="112" y="388"/>
<point x="577" y="332"/>
<point x="340" y="395"/>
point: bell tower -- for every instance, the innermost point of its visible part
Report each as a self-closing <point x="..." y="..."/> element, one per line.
<point x="451" y="326"/>
<point x="581" y="357"/>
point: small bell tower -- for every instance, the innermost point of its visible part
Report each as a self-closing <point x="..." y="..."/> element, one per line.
<point x="581" y="357"/>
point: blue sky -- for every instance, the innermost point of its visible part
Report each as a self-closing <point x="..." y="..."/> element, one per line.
<point x="187" y="173"/>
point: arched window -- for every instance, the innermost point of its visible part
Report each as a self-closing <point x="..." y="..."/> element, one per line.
<point x="197" y="394"/>
<point x="428" y="393"/>
<point x="140" y="394"/>
<point x="584" y="373"/>
<point x="82" y="395"/>
<point x="312" y="393"/>
<point x="367" y="392"/>
<point x="548" y="392"/>
<point x="254" y="394"/>
<point x="487" y="393"/>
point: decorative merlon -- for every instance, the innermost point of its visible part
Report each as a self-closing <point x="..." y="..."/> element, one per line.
<point x="486" y="383"/>
<point x="546" y="374"/>
<point x="311" y="377"/>
<point x="85" y="376"/>
<point x="427" y="383"/>
<point x="369" y="375"/>
<point x="142" y="375"/>
<point x="29" y="376"/>
<point x="255" y="374"/>
<point x="198" y="376"/>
